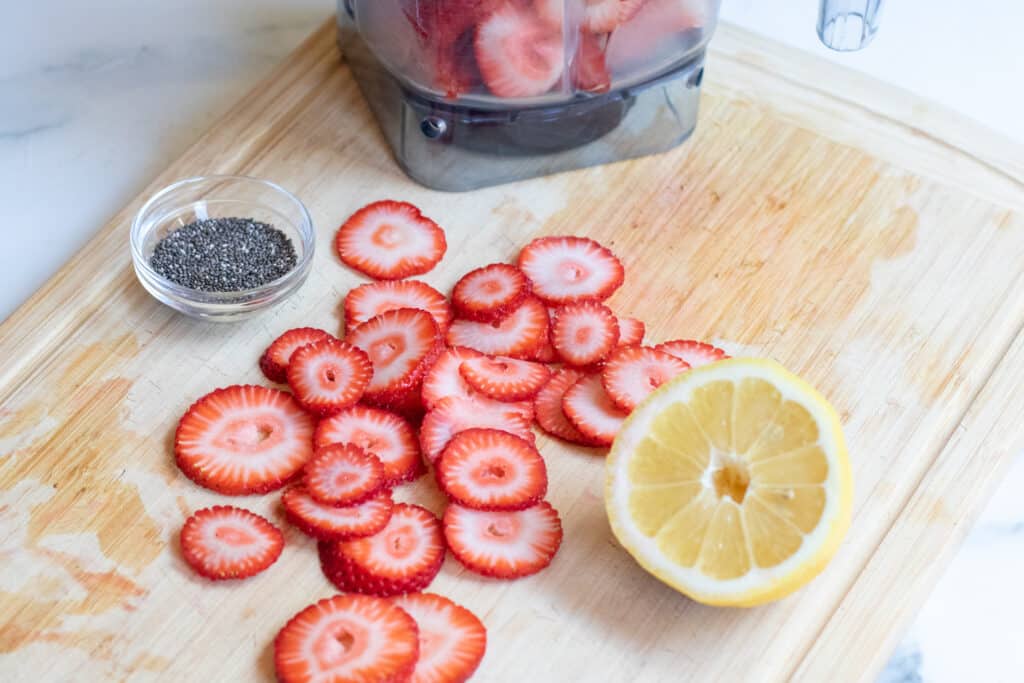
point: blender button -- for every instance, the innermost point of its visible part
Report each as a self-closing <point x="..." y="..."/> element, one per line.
<point x="433" y="127"/>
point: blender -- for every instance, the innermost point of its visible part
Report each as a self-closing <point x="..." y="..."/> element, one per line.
<point x="473" y="93"/>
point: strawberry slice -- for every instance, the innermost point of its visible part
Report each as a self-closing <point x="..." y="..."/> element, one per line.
<point x="584" y="333"/>
<point x="444" y="378"/>
<point x="504" y="379"/>
<point x="490" y="293"/>
<point x="591" y="411"/>
<point x="568" y="269"/>
<point x="332" y="523"/>
<point x="589" y="71"/>
<point x="601" y="16"/>
<point x="631" y="331"/>
<point x="488" y="469"/>
<point x="384" y="434"/>
<point x="452" y="639"/>
<point x="274" y="361"/>
<point x="518" y="54"/>
<point x="628" y="9"/>
<point x="328" y="376"/>
<point x="453" y="415"/>
<point x="546" y="353"/>
<point x="373" y="298"/>
<point x="344" y="474"/>
<point x="551" y="12"/>
<point x="225" y="542"/>
<point x="243" y="439"/>
<point x="402" y="345"/>
<point x="652" y="35"/>
<point x="404" y="557"/>
<point x="633" y="372"/>
<point x="519" y="334"/>
<point x="548" y="407"/>
<point x="390" y="240"/>
<point x="504" y="545"/>
<point x="347" y="638"/>
<point x="695" y="353"/>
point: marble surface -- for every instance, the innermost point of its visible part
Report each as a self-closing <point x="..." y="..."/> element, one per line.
<point x="96" y="98"/>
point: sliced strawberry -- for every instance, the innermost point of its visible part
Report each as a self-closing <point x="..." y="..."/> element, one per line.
<point x="333" y="523"/>
<point x="274" y="361"/>
<point x="379" y="432"/>
<point x="403" y="557"/>
<point x="551" y="12"/>
<point x="243" y="439"/>
<point x="584" y="333"/>
<point x="453" y="415"/>
<point x="631" y="331"/>
<point x="652" y="35"/>
<point x="504" y="379"/>
<point x="490" y="293"/>
<point x="402" y="345"/>
<point x="373" y="298"/>
<point x="347" y="638"/>
<point x="546" y="353"/>
<point x="344" y="474"/>
<point x="519" y="334"/>
<point x="390" y="240"/>
<point x="489" y="469"/>
<point x="591" y="411"/>
<point x="224" y="542"/>
<point x="444" y="378"/>
<point x="589" y="71"/>
<point x="518" y="54"/>
<point x="505" y="545"/>
<point x="628" y="9"/>
<point x="568" y="269"/>
<point x="452" y="639"/>
<point x="695" y="353"/>
<point x="548" y="407"/>
<point x="633" y="372"/>
<point x="328" y="376"/>
<point x="601" y="16"/>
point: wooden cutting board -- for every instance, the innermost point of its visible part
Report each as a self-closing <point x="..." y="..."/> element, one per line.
<point x="860" y="236"/>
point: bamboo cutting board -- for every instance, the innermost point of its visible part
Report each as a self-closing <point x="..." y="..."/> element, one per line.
<point x="805" y="221"/>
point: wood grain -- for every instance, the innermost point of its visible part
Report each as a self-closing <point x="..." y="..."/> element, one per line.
<point x="810" y="224"/>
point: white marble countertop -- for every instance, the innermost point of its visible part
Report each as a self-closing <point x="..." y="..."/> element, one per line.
<point x="96" y="98"/>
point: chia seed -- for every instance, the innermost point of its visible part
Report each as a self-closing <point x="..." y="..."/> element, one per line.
<point x="224" y="255"/>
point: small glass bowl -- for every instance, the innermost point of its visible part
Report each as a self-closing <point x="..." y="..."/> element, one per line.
<point x="223" y="196"/>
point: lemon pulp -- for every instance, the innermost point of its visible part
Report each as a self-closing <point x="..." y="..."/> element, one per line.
<point x="731" y="483"/>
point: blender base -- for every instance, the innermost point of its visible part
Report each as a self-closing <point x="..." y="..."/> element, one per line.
<point x="455" y="147"/>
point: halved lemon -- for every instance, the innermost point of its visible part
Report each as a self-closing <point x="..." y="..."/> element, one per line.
<point x="731" y="483"/>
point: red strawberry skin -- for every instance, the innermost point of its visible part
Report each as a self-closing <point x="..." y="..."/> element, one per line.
<point x="350" y="565"/>
<point x="589" y="71"/>
<point x="217" y="452"/>
<point x="490" y="293"/>
<point x="206" y="530"/>
<point x="505" y="379"/>
<point x="390" y="240"/>
<point x="601" y="339"/>
<point x="310" y="647"/>
<point x="274" y="361"/>
<point x="470" y="532"/>
<point x="488" y="469"/>
<point x="452" y="639"/>
<point x="328" y="376"/>
<point x="329" y="523"/>
<point x="402" y="345"/>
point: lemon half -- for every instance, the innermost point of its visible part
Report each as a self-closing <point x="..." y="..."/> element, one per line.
<point x="731" y="483"/>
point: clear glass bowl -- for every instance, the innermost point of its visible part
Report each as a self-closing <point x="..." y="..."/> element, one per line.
<point x="205" y="197"/>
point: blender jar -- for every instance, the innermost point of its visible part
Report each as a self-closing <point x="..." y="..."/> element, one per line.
<point x="471" y="93"/>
